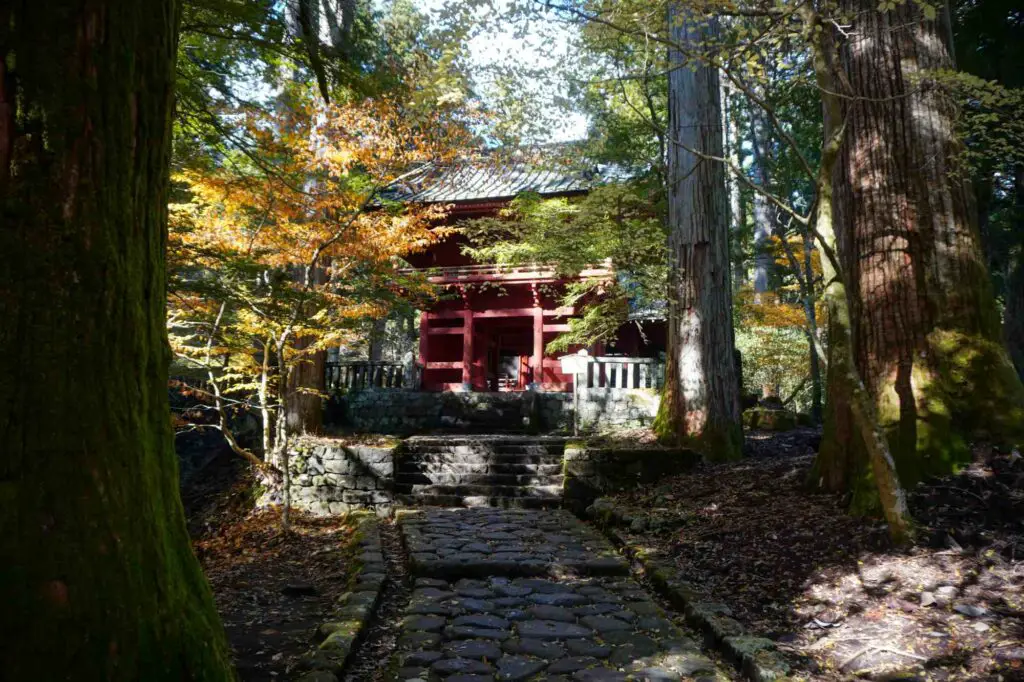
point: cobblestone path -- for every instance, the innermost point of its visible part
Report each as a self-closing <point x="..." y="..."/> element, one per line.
<point x="485" y="542"/>
<point x="531" y="595"/>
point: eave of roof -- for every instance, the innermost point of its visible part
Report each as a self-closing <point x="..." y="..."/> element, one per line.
<point x="496" y="181"/>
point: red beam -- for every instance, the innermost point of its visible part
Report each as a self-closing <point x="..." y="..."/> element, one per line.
<point x="444" y="365"/>
<point x="467" y="348"/>
<point x="556" y="328"/>
<point x="444" y="330"/>
<point x="517" y="277"/>
<point x="538" y="345"/>
<point x="503" y="312"/>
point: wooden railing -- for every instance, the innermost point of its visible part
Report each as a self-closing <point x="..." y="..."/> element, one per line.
<point x="623" y="372"/>
<point x="601" y="372"/>
<point x="355" y="375"/>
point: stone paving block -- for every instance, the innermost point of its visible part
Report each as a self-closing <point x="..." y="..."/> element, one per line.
<point x="530" y="595"/>
<point x="544" y="641"/>
<point x="456" y="543"/>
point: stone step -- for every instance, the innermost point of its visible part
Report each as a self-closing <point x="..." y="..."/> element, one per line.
<point x="433" y="500"/>
<point x="514" y="468"/>
<point x="481" y="490"/>
<point x="416" y="459"/>
<point x="500" y="439"/>
<point x="420" y="478"/>
<point x="473" y="450"/>
<point x="469" y="451"/>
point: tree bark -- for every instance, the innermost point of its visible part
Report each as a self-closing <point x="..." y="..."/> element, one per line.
<point x="732" y="185"/>
<point x="1013" y="315"/>
<point x="307" y="382"/>
<point x="925" y="330"/>
<point x="843" y="367"/>
<point x="378" y="332"/>
<point x="97" y="577"/>
<point x="737" y="212"/>
<point x="764" y="261"/>
<point x="701" y="403"/>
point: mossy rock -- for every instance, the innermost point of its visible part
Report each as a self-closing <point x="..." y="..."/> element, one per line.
<point x="770" y="419"/>
<point x="319" y="676"/>
<point x="347" y="628"/>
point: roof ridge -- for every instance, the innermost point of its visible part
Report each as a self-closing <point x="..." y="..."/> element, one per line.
<point x="465" y="180"/>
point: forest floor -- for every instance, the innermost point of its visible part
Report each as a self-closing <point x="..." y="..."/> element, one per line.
<point x="793" y="566"/>
<point x="272" y="591"/>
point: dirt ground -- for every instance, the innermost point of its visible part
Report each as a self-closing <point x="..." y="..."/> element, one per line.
<point x="793" y="566"/>
<point x="272" y="590"/>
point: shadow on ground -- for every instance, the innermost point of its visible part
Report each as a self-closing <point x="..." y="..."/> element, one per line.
<point x="791" y="565"/>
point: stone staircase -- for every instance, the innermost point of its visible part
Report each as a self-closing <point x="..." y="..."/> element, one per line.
<point x="480" y="471"/>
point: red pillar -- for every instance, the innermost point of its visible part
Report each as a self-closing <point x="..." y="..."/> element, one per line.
<point x="467" y="350"/>
<point x="538" y="346"/>
<point x="424" y="347"/>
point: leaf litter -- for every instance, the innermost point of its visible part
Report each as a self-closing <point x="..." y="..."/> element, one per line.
<point x="792" y="565"/>
<point x="272" y="590"/>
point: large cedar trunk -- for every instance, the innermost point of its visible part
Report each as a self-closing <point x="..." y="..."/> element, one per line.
<point x="700" y="405"/>
<point x="764" y="260"/>
<point x="1014" y="320"/>
<point x="1013" y="315"/>
<point x="97" y="577"/>
<point x="926" y="334"/>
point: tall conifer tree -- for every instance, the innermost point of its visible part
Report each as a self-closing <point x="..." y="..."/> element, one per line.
<point x="97" y="577"/>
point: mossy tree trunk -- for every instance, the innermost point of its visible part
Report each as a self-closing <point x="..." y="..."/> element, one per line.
<point x="700" y="405"/>
<point x="926" y="334"/>
<point x="843" y="367"/>
<point x="97" y="577"/>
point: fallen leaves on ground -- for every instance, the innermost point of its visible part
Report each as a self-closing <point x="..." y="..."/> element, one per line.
<point x="272" y="590"/>
<point x="792" y="565"/>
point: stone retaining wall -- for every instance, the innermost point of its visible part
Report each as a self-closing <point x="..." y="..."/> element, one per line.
<point x="329" y="477"/>
<point x="601" y="408"/>
<point x="407" y="412"/>
<point x="592" y="472"/>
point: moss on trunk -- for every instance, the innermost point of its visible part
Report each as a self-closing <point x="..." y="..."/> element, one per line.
<point x="97" y="577"/>
<point x="926" y="333"/>
<point x="970" y="392"/>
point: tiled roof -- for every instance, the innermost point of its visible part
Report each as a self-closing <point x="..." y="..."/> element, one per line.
<point x="486" y="180"/>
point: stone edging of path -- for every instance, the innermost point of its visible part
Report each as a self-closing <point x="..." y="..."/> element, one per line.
<point x="755" y="657"/>
<point x="353" y="609"/>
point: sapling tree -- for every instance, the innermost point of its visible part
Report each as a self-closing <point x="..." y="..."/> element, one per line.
<point x="268" y="268"/>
